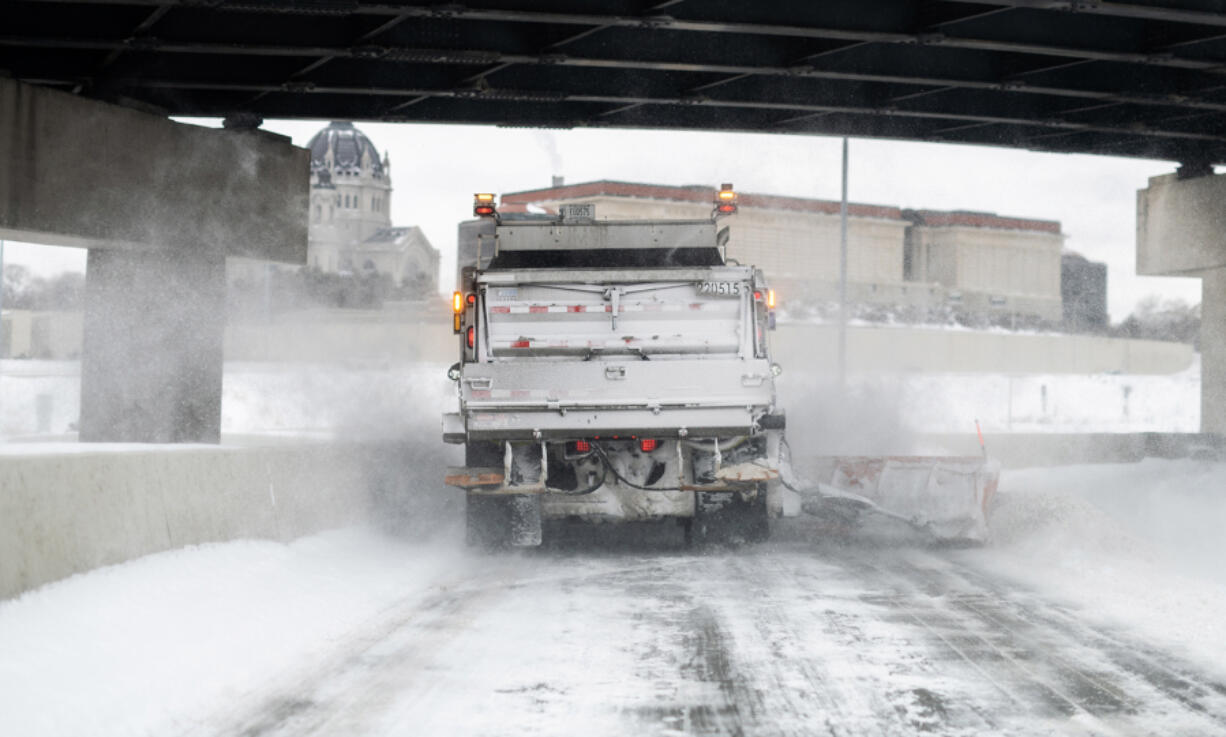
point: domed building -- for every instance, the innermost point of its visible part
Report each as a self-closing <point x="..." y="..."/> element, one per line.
<point x="350" y="228"/>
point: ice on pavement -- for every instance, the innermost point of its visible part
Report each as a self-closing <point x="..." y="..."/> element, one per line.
<point x="166" y="643"/>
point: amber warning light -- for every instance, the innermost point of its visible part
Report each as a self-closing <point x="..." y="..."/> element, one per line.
<point x="457" y="306"/>
<point x="725" y="200"/>
<point x="483" y="204"/>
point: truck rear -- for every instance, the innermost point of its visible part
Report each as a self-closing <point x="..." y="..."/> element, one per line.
<point x="615" y="371"/>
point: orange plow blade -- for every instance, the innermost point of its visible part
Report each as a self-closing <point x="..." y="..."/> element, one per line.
<point x="946" y="496"/>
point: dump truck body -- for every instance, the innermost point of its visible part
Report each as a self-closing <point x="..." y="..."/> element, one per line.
<point x="616" y="371"/>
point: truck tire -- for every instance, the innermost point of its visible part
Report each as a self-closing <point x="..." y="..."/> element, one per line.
<point x="728" y="518"/>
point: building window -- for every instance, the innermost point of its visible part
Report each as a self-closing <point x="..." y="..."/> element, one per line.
<point x="319" y="211"/>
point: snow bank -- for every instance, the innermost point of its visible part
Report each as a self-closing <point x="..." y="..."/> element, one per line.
<point x="154" y="645"/>
<point x="1135" y="546"/>
<point x="44" y="397"/>
<point x="924" y="403"/>
<point x="297" y="398"/>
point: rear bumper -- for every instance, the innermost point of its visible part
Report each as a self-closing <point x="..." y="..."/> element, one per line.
<point x="533" y="424"/>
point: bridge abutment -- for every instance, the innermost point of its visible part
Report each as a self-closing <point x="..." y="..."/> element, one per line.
<point x="1181" y="231"/>
<point x="159" y="205"/>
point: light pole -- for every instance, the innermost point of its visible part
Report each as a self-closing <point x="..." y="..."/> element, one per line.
<point x="1" y="297"/>
<point x="843" y="278"/>
<point x="3" y="348"/>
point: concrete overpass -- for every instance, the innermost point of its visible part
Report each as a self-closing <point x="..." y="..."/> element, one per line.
<point x="91" y="160"/>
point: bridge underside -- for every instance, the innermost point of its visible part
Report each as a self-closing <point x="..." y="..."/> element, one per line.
<point x="1139" y="78"/>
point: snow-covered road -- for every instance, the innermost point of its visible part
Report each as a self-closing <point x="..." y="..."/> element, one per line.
<point x="1083" y="618"/>
<point x="789" y="639"/>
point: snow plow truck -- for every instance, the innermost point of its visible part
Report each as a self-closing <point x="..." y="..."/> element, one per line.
<point x="615" y="371"/>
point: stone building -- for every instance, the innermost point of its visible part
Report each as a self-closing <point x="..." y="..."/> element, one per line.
<point x="971" y="262"/>
<point x="350" y="225"/>
<point x="351" y="194"/>
<point x="988" y="263"/>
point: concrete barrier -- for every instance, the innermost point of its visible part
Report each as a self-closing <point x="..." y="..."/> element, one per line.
<point x="874" y="348"/>
<point x="1023" y="450"/>
<point x="422" y="332"/>
<point x="339" y="335"/>
<point x="65" y="509"/>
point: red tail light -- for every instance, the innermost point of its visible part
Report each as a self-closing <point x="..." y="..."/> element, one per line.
<point x="582" y="446"/>
<point x="647" y="445"/>
<point x="472" y="336"/>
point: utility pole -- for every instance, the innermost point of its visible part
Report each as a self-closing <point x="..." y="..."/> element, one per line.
<point x="843" y="278"/>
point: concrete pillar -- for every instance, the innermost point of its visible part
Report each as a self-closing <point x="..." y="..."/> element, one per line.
<point x="159" y="205"/>
<point x="1181" y="231"/>
<point x="152" y="360"/>
<point x="1213" y="351"/>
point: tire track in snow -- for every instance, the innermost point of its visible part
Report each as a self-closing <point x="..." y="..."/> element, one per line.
<point x="1198" y="693"/>
<point x="787" y="639"/>
<point x="1052" y="658"/>
<point x="390" y="667"/>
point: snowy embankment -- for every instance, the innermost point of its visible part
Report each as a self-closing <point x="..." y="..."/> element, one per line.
<point x="163" y="644"/>
<point x="1136" y="546"/>
<point x="41" y="397"/>
<point x="152" y="645"/>
<point x="44" y="397"/>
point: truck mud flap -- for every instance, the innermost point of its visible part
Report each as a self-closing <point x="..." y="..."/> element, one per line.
<point x="505" y="521"/>
<point x="729" y="518"/>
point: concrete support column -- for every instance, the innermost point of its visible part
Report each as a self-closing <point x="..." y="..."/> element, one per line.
<point x="152" y="361"/>
<point x="1181" y="231"/>
<point x="1213" y="351"/>
<point x="159" y="205"/>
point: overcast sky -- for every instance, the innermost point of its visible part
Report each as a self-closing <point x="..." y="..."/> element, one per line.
<point x="436" y="168"/>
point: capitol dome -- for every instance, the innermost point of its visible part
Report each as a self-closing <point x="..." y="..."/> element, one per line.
<point x="341" y="148"/>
